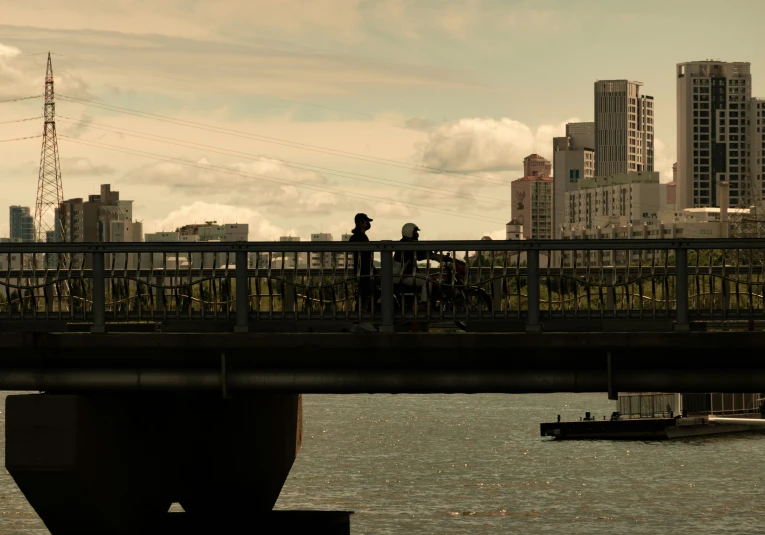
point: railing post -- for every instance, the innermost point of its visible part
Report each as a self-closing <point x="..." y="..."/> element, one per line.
<point x="242" y="293"/>
<point x="532" y="291"/>
<point x="288" y="299"/>
<point x="386" y="287"/>
<point x="99" y="293"/>
<point x="681" y="290"/>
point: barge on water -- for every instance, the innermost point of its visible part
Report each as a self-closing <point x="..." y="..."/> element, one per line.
<point x="661" y="416"/>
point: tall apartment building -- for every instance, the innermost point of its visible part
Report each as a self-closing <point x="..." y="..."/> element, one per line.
<point x="757" y="150"/>
<point x="623" y="128"/>
<point x="532" y="206"/>
<point x="573" y="160"/>
<point x="102" y="218"/>
<point x="22" y="224"/>
<point x="714" y="132"/>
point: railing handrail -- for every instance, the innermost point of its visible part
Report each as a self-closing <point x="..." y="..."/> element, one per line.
<point x="378" y="246"/>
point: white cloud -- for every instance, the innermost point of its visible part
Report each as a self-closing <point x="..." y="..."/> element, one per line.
<point x="78" y="166"/>
<point x="7" y="51"/>
<point x="13" y="82"/>
<point x="500" y="234"/>
<point x="484" y="144"/>
<point x="264" y="184"/>
<point x="663" y="159"/>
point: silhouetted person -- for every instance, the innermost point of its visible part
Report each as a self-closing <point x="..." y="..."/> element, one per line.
<point x="362" y="261"/>
<point x="408" y="261"/>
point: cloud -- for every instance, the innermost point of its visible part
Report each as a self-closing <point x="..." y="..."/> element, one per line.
<point x="260" y="228"/>
<point x="484" y="144"/>
<point x="419" y="123"/>
<point x="13" y="82"/>
<point x="78" y="129"/>
<point x="265" y="184"/>
<point x="77" y="166"/>
<point x="663" y="159"/>
<point x="7" y="51"/>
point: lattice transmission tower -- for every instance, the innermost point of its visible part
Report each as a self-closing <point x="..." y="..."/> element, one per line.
<point x="50" y="192"/>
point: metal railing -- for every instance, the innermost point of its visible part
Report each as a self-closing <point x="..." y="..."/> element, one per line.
<point x="518" y="285"/>
<point x="647" y="405"/>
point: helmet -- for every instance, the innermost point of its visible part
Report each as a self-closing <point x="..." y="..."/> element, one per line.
<point x="408" y="230"/>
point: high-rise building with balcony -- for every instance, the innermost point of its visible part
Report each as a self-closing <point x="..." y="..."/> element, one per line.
<point x="714" y="132"/>
<point x="623" y="128"/>
<point x="22" y="224"/>
<point x="532" y="206"/>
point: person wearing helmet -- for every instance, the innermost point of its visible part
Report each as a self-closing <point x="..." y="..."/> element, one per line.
<point x="408" y="262"/>
<point x="362" y="262"/>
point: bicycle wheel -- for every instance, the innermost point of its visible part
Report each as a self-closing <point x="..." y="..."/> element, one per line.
<point x="473" y="300"/>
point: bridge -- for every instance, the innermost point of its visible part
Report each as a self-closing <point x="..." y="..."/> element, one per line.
<point x="172" y="372"/>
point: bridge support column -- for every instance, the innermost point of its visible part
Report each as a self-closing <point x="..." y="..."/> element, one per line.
<point x="115" y="464"/>
<point x="237" y="454"/>
<point x="87" y="465"/>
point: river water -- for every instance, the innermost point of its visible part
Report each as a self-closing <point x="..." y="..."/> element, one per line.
<point x="451" y="464"/>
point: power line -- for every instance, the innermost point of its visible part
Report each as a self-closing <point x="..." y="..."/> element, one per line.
<point x="21" y="120"/>
<point x="197" y="82"/>
<point x="283" y="142"/>
<point x="267" y="178"/>
<point x="18" y="99"/>
<point x="285" y="163"/>
<point x="19" y="138"/>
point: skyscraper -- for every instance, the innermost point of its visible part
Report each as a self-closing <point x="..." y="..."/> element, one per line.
<point x="22" y="224"/>
<point x="623" y="128"/>
<point x="573" y="160"/>
<point x="713" y="101"/>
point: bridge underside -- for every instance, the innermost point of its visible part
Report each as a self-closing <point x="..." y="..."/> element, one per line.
<point x="132" y="422"/>
<point x="382" y="363"/>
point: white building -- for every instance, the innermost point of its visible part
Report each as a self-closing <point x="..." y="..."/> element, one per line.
<point x="514" y="231"/>
<point x="321" y="260"/>
<point x="623" y="128"/>
<point x="573" y="159"/>
<point x="277" y="259"/>
<point x="621" y="199"/>
<point x="330" y="260"/>
<point x="671" y="223"/>
<point x="714" y="132"/>
<point x="212" y="231"/>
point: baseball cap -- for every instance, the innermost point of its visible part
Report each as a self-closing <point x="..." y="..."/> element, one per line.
<point x="361" y="217"/>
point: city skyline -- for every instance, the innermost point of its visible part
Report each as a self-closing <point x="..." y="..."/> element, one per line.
<point x="470" y="115"/>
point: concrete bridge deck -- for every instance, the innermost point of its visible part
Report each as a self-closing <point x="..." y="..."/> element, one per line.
<point x="383" y="363"/>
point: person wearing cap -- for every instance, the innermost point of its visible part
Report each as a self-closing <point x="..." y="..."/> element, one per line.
<point x="362" y="261"/>
<point x="408" y="263"/>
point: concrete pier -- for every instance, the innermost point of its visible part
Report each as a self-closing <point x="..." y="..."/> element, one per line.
<point x="115" y="464"/>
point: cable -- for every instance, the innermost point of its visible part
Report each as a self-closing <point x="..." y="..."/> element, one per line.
<point x="279" y="141"/>
<point x="189" y="82"/>
<point x="21" y="120"/>
<point x="18" y="99"/>
<point x="266" y="178"/>
<point x="285" y="163"/>
<point x="19" y="138"/>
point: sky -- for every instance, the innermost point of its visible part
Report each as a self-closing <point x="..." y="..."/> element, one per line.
<point x="293" y="116"/>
